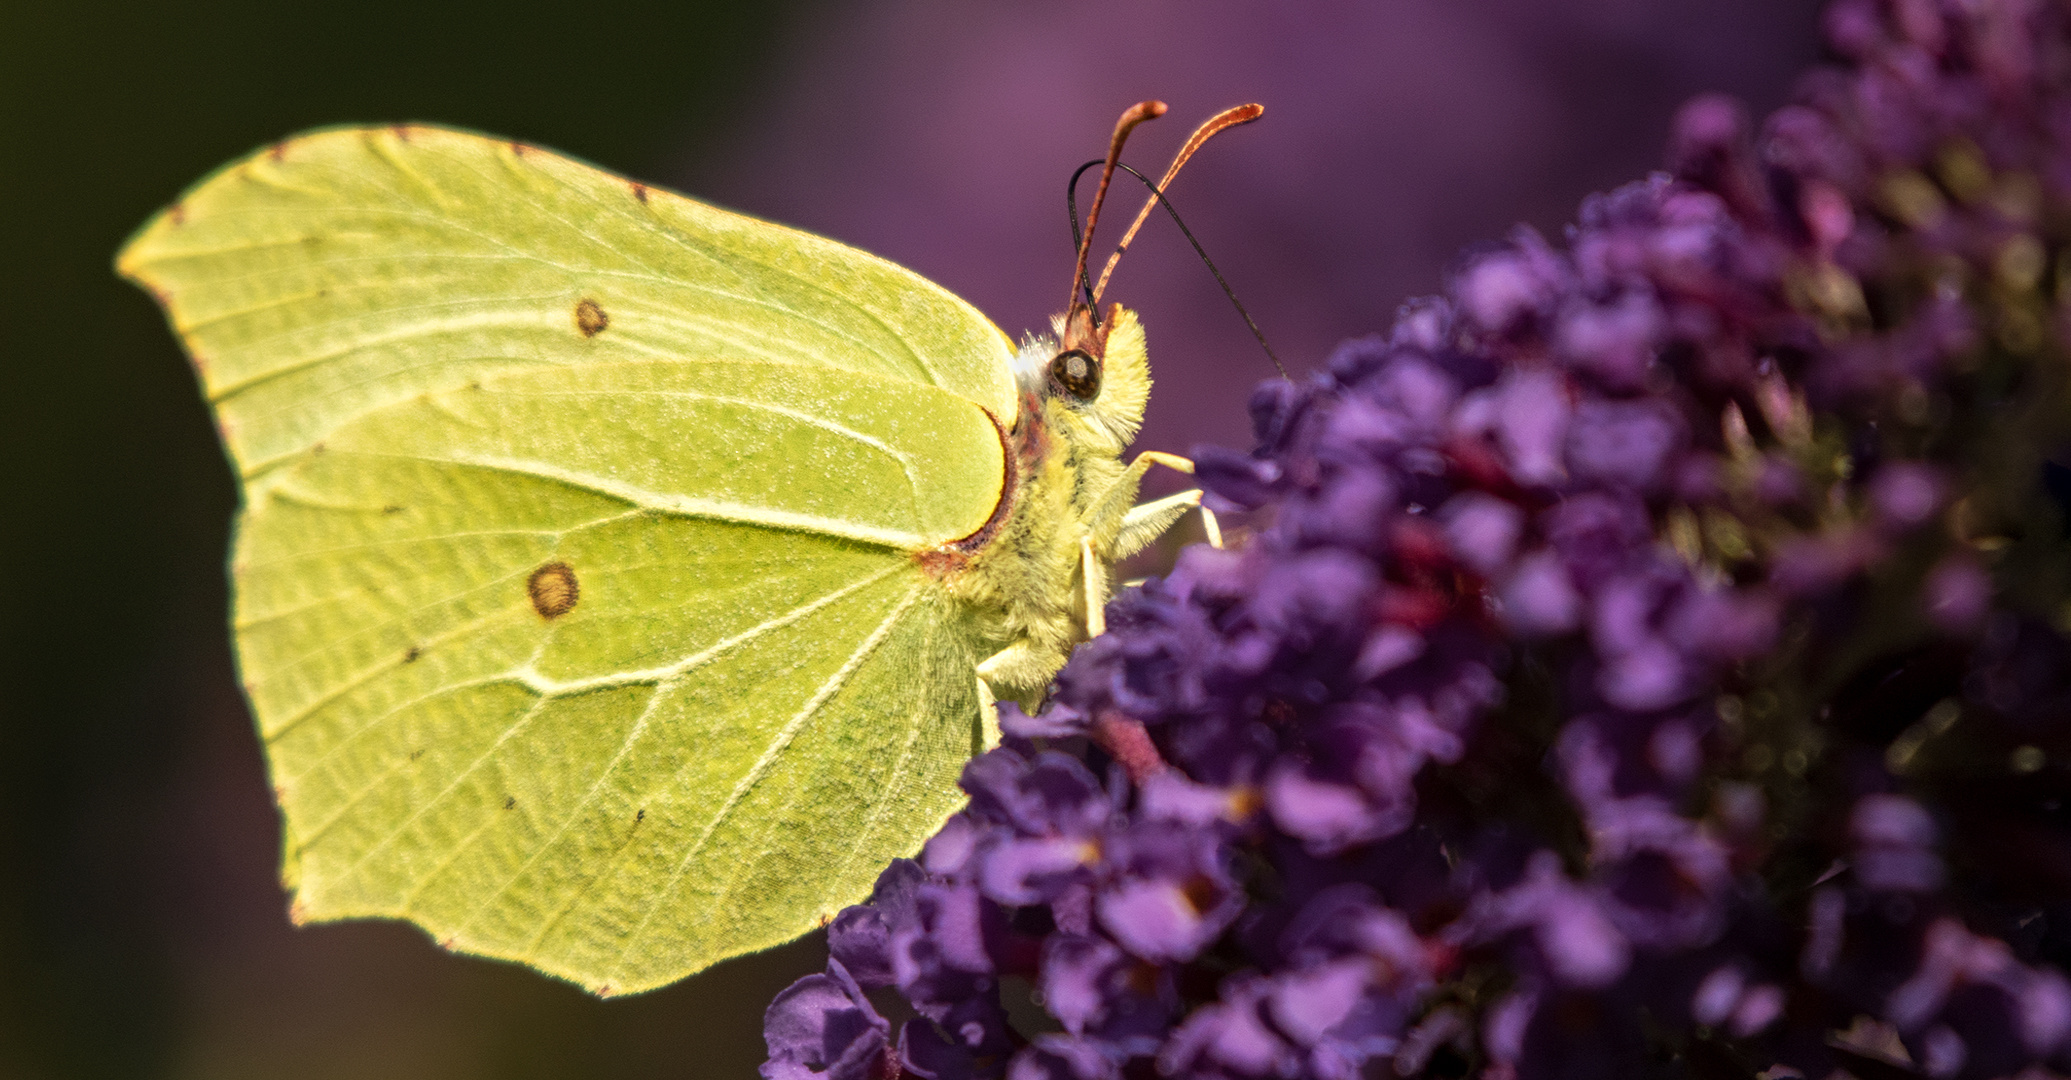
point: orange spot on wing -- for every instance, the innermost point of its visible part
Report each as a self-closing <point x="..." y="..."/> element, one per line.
<point x="553" y="590"/>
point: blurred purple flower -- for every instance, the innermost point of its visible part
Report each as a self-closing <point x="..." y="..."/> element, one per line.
<point x="1957" y="594"/>
<point x="1170" y="894"/>
<point x="1054" y="1057"/>
<point x="1906" y="494"/>
<point x="1503" y="291"/>
<point x="1613" y="669"/>
<point x="1624" y="443"/>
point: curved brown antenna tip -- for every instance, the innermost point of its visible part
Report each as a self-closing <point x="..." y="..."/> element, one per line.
<point x="1132" y="116"/>
<point x="1228" y="118"/>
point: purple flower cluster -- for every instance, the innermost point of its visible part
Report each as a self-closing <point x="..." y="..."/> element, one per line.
<point x="1649" y="659"/>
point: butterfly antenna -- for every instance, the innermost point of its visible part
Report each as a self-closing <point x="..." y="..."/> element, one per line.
<point x="1222" y="121"/>
<point x="1132" y="116"/>
<point x="1159" y="198"/>
<point x="1242" y="114"/>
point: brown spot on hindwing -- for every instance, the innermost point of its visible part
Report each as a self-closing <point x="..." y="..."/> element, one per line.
<point x="590" y="318"/>
<point x="640" y="192"/>
<point x="553" y="590"/>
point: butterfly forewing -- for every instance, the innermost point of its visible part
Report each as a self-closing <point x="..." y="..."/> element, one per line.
<point x="577" y="598"/>
<point x="347" y="269"/>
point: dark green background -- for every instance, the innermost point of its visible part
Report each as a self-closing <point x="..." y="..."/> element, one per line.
<point x="140" y="925"/>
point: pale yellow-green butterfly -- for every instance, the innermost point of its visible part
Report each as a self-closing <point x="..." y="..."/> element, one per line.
<point x="622" y="582"/>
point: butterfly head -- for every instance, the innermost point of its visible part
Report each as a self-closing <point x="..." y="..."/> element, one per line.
<point x="1086" y="381"/>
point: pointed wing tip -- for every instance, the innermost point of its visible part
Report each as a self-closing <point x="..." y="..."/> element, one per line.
<point x="134" y="258"/>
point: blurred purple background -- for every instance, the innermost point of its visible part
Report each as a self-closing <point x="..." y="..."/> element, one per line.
<point x="940" y="135"/>
<point x="143" y="931"/>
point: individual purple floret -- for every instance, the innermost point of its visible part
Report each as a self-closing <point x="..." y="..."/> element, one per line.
<point x="1648" y="659"/>
<point x="824" y="1026"/>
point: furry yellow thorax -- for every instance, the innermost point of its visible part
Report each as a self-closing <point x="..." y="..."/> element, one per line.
<point x="1026" y="587"/>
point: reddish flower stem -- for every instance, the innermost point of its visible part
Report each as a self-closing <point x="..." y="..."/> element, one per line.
<point x="1125" y="740"/>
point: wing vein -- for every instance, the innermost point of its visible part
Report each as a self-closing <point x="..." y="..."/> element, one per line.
<point x="686" y="506"/>
<point x="769" y="756"/>
<point x="625" y="748"/>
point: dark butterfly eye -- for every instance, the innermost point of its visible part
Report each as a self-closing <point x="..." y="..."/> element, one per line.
<point x="1076" y="374"/>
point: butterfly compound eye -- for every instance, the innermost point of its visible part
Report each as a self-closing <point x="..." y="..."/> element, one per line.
<point x="1076" y="373"/>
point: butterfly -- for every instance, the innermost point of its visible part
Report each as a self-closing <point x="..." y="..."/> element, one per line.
<point x="621" y="582"/>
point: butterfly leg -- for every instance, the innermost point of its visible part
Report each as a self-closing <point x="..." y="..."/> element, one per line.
<point x="1093" y="576"/>
<point x="1020" y="665"/>
<point x="1186" y="465"/>
<point x="988" y="716"/>
<point x="1146" y="522"/>
<point x="1136" y="526"/>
